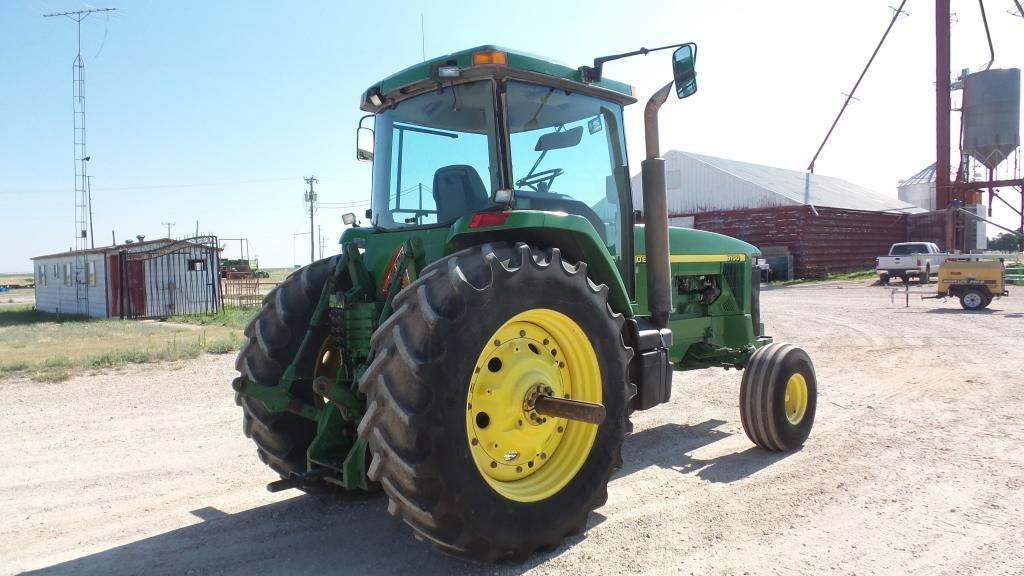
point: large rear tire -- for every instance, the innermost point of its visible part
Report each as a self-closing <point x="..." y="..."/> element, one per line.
<point x="778" y="397"/>
<point x="274" y="336"/>
<point x="474" y="472"/>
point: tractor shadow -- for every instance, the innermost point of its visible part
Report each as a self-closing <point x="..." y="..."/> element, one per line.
<point x="338" y="533"/>
<point x="668" y="446"/>
<point x="307" y="534"/>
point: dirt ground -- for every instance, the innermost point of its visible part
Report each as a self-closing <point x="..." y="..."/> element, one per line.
<point x="915" y="466"/>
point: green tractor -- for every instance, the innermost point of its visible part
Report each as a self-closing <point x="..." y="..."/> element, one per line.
<point x="476" y="351"/>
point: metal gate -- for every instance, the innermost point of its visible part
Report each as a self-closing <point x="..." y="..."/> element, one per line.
<point x="172" y="278"/>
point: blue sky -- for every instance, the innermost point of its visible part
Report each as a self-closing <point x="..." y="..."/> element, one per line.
<point x="214" y="111"/>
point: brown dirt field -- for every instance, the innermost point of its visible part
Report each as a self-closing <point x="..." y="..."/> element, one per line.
<point x="915" y="466"/>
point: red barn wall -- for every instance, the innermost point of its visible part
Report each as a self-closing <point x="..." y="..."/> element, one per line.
<point x="778" y="226"/>
<point x="845" y="240"/>
<point x="834" y="240"/>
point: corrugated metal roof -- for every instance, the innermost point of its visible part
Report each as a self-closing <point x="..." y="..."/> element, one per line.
<point x="128" y="247"/>
<point x="698" y="183"/>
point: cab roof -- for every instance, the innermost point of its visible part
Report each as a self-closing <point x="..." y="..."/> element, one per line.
<point x="515" y="61"/>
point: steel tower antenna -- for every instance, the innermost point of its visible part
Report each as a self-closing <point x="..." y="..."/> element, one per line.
<point x="83" y="204"/>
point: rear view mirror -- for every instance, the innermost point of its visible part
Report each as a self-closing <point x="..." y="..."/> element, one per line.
<point x="559" y="140"/>
<point x="364" y="144"/>
<point x="684" y="70"/>
<point x="364" y="141"/>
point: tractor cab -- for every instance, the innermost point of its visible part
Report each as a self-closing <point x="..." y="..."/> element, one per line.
<point x="490" y="130"/>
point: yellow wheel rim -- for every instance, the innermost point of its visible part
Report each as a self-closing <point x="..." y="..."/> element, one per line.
<point x="525" y="456"/>
<point x="327" y="363"/>
<point x="796" y="398"/>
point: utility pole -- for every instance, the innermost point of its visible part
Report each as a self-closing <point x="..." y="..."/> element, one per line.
<point x="311" y="198"/>
<point x="320" y="236"/>
<point x="943" y="189"/>
<point x="168" y="224"/>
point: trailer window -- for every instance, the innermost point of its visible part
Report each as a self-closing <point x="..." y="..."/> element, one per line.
<point x="67" y="274"/>
<point x="196" y="265"/>
<point x="90" y="271"/>
<point x="42" y="275"/>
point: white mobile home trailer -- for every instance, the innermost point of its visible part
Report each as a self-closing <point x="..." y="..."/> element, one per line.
<point x="151" y="279"/>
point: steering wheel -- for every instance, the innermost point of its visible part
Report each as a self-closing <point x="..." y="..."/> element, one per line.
<point x="541" y="181"/>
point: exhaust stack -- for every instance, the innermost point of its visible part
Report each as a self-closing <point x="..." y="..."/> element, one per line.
<point x="659" y="298"/>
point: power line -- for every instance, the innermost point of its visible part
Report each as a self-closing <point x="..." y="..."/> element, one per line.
<point x="153" y="186"/>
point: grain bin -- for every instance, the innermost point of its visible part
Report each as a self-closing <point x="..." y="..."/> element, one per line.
<point x="992" y="115"/>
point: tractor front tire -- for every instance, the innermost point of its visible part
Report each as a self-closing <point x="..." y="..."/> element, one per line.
<point x="274" y="336"/>
<point x="462" y="459"/>
<point x="778" y="397"/>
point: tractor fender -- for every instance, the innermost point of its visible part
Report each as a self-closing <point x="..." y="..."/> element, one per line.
<point x="573" y="235"/>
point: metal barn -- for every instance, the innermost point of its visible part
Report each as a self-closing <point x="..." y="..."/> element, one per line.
<point x="150" y="279"/>
<point x="810" y="223"/>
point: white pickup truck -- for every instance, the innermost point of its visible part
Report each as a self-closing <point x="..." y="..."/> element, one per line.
<point x="906" y="259"/>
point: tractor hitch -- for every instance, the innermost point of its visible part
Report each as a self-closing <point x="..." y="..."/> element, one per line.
<point x="298" y="480"/>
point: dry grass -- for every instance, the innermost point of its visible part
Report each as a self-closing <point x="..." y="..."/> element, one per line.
<point x="49" y="347"/>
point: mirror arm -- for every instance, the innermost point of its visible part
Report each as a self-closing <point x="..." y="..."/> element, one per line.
<point x="651" y="120"/>
<point x="594" y="73"/>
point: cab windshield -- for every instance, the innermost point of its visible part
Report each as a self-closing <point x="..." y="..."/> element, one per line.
<point x="434" y="157"/>
<point x="568" y="155"/>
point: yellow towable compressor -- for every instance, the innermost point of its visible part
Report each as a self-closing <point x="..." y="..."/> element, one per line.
<point x="973" y="280"/>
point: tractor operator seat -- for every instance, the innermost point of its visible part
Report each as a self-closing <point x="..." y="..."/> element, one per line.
<point x="458" y="190"/>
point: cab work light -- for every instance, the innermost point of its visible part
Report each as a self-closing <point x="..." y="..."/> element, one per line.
<point x="490" y="57"/>
<point x="448" y="72"/>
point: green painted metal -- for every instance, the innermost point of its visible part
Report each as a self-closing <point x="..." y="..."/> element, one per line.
<point x="332" y="442"/>
<point x="355" y="465"/>
<point x="275" y="398"/>
<point x="404" y="269"/>
<point x="515" y="60"/>
<point x="725" y="327"/>
<point x="360" y="321"/>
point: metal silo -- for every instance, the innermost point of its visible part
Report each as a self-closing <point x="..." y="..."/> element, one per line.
<point x="992" y="115"/>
